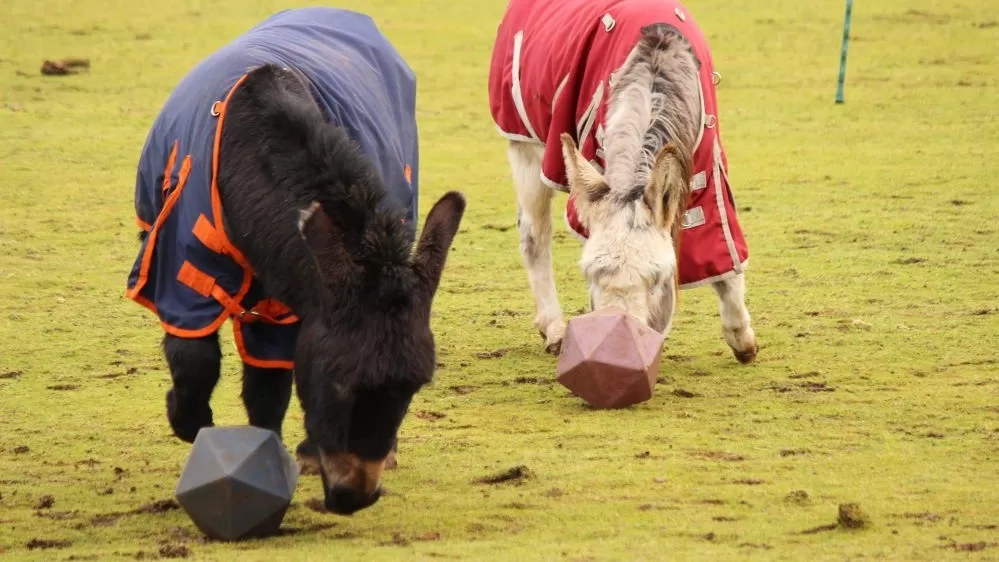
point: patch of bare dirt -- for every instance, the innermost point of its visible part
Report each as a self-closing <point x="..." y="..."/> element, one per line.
<point x="10" y="375"/>
<point x="908" y="261"/>
<point x="174" y="550"/>
<point x="533" y="380"/>
<point x="429" y="415"/>
<point x="762" y="546"/>
<point x="798" y="497"/>
<point x="517" y="474"/>
<point x="42" y="544"/>
<point x="970" y="546"/>
<point x="496" y="354"/>
<point x="749" y="481"/>
<point x="154" y="508"/>
<point x="684" y="393"/>
<point x="45" y="502"/>
<point x="794" y="452"/>
<point x="719" y="456"/>
<point x="21" y="449"/>
<point x="64" y="67"/>
<point x="463" y="389"/>
<point x="63" y="387"/>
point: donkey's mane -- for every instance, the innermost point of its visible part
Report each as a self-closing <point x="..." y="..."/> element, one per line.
<point x="321" y="162"/>
<point x="654" y="102"/>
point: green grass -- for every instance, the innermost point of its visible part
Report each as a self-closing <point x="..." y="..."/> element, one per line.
<point x="874" y="237"/>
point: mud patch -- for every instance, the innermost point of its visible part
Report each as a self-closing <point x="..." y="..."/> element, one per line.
<point x="496" y="354"/>
<point x="762" y="546"/>
<point x="533" y="380"/>
<point x="718" y="456"/>
<point x="794" y="452"/>
<point x="43" y="544"/>
<point x="970" y="546"/>
<point x="174" y="551"/>
<point x="682" y="393"/>
<point x="908" y="261"/>
<point x="154" y="508"/>
<point x="10" y="375"/>
<point x="807" y="386"/>
<point x="429" y="415"/>
<point x="64" y="67"/>
<point x="21" y="449"/>
<point x="45" y="502"/>
<point x="749" y="481"/>
<point x="798" y="497"/>
<point x="517" y="475"/>
<point x="463" y="389"/>
<point x="63" y="387"/>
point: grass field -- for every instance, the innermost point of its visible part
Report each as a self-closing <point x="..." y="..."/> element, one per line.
<point x="873" y="229"/>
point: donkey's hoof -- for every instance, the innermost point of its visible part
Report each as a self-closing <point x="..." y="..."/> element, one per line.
<point x="186" y="421"/>
<point x="390" y="461"/>
<point x="307" y="456"/>
<point x="747" y="356"/>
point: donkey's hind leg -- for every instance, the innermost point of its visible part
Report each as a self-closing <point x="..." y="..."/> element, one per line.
<point x="534" y="221"/>
<point x="194" y="367"/>
<point x="266" y="395"/>
<point x="735" y="317"/>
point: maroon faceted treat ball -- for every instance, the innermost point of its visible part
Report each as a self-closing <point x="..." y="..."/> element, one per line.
<point x="609" y="358"/>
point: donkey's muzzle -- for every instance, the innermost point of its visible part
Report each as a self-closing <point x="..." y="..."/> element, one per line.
<point x="344" y="500"/>
<point x="350" y="483"/>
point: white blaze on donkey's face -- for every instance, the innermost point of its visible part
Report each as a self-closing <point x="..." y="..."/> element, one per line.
<point x="629" y="259"/>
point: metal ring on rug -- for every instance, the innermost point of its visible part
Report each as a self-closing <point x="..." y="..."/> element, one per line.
<point x="712" y="120"/>
<point x="716" y="77"/>
<point x="215" y="110"/>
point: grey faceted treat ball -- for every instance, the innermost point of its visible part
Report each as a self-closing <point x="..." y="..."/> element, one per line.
<point x="237" y="483"/>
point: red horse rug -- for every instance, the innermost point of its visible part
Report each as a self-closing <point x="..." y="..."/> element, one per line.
<point x="550" y="74"/>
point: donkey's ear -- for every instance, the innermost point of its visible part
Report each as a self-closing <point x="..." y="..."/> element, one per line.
<point x="439" y="231"/>
<point x="669" y="185"/>
<point x="583" y="177"/>
<point x="325" y="242"/>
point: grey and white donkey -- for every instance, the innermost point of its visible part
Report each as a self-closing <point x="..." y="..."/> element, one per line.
<point x="632" y="210"/>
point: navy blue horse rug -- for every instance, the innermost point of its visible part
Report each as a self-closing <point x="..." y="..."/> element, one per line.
<point x="188" y="271"/>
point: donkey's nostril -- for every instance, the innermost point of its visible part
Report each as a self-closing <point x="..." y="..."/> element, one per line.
<point x="345" y="501"/>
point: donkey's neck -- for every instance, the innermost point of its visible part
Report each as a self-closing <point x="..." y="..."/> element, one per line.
<point x="655" y="100"/>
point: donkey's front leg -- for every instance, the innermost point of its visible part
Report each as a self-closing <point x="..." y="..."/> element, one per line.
<point x="194" y="367"/>
<point x="534" y="221"/>
<point x="735" y="317"/>
<point x="266" y="394"/>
